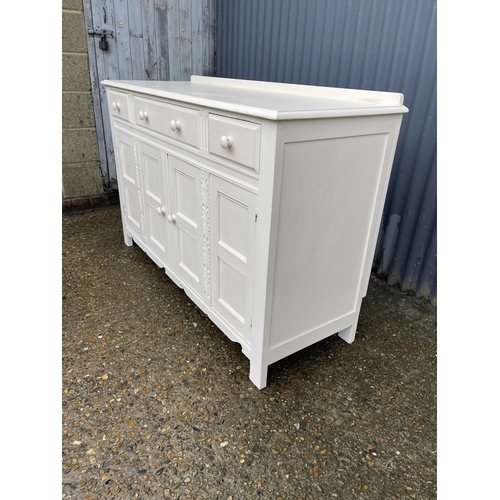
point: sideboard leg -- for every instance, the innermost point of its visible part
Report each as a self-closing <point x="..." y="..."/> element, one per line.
<point x="258" y="374"/>
<point x="348" y="333"/>
<point x="128" y="239"/>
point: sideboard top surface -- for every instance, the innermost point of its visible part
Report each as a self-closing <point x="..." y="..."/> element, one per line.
<point x="269" y="100"/>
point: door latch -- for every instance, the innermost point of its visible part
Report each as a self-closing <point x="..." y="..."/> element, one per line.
<point x="103" y="42"/>
<point x="99" y="32"/>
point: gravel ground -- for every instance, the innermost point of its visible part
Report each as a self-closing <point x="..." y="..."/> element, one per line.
<point x="157" y="403"/>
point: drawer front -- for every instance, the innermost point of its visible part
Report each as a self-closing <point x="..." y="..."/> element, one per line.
<point x="118" y="104"/>
<point x="235" y="140"/>
<point x="177" y="122"/>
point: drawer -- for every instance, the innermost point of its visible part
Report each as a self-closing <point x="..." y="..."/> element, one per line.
<point x="235" y="140"/>
<point x="118" y="104"/>
<point x="177" y="122"/>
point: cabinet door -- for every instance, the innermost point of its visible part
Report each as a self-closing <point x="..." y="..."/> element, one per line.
<point x="129" y="182"/>
<point x="185" y="190"/>
<point x="156" y="207"/>
<point x="232" y="235"/>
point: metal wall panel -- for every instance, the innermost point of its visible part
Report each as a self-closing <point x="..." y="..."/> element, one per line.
<point x="385" y="45"/>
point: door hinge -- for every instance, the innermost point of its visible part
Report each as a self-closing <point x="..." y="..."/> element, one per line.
<point x="255" y="218"/>
<point x="251" y="322"/>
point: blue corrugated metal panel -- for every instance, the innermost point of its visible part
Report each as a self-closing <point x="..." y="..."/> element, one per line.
<point x="368" y="44"/>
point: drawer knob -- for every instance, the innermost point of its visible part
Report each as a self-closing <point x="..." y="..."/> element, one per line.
<point x="175" y="125"/>
<point x="171" y="218"/>
<point x="161" y="210"/>
<point x="143" y="115"/>
<point x="226" y="142"/>
<point x="116" y="106"/>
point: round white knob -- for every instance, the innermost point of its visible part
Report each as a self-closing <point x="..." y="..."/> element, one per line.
<point x="118" y="106"/>
<point x="146" y="116"/>
<point x="159" y="210"/>
<point x="226" y="142"/>
<point x="163" y="211"/>
<point x="174" y="218"/>
<point x="141" y="115"/>
<point x="114" y="106"/>
<point x="175" y="125"/>
<point x="169" y="218"/>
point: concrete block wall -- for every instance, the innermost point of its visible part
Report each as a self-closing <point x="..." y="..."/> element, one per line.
<point x="81" y="171"/>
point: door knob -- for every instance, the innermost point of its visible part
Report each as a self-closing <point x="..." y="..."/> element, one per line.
<point x="175" y="125"/>
<point x="226" y="142"/>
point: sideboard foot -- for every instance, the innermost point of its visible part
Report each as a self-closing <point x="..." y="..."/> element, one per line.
<point x="348" y="333"/>
<point x="128" y="239"/>
<point x="258" y="375"/>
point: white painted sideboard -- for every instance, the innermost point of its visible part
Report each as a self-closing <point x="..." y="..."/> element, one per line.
<point x="261" y="200"/>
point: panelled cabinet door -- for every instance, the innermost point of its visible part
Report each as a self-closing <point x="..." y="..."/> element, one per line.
<point x="185" y="218"/>
<point x="233" y="219"/>
<point x="156" y="205"/>
<point x="129" y="179"/>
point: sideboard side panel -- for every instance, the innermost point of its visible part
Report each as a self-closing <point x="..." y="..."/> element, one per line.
<point x="329" y="193"/>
